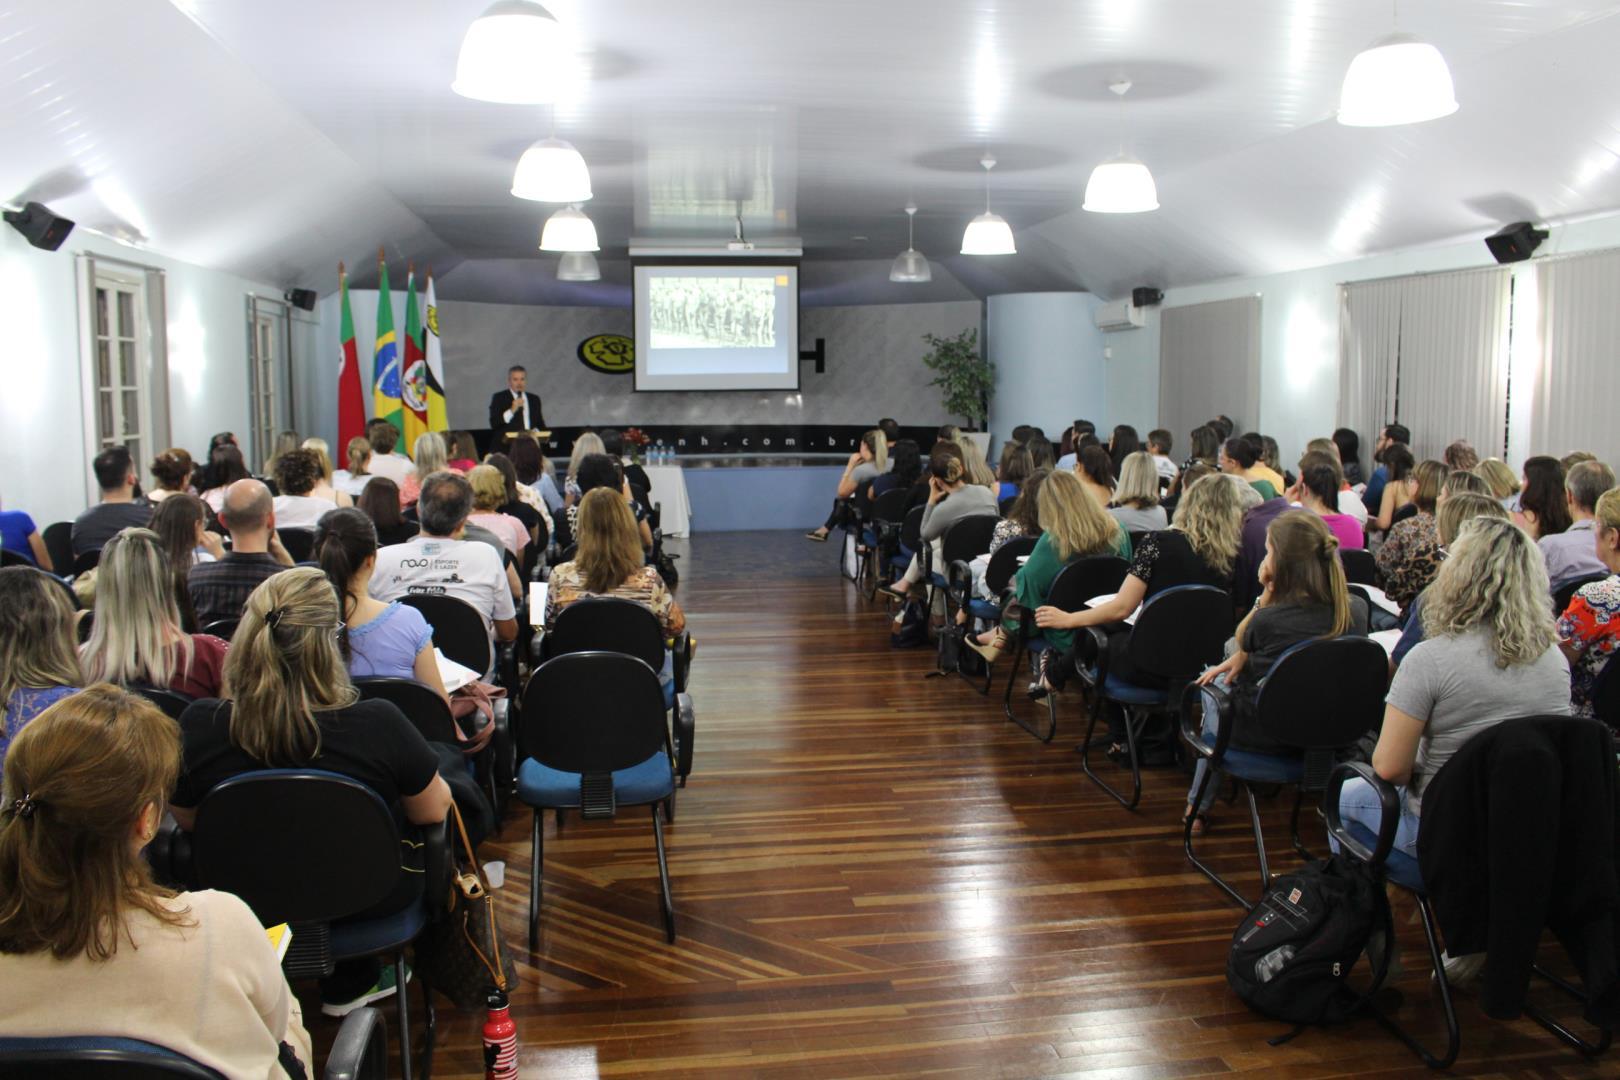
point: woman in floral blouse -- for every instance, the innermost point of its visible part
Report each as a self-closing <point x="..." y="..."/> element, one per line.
<point x="1590" y="626"/>
<point x="1410" y="556"/>
<point x="609" y="563"/>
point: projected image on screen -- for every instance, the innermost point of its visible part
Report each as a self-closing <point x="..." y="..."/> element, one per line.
<point x="713" y="313"/>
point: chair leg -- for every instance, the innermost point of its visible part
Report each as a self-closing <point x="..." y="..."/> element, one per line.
<point x="1567" y="1036"/>
<point x="1453" y="1034"/>
<point x="1211" y="775"/>
<point x="1259" y="837"/>
<point x="1130" y="745"/>
<point x="663" y="877"/>
<point x="536" y="853"/>
<point x="430" y="1028"/>
<point x="1006" y="701"/>
<point x="1293" y="826"/>
<point x="404" y="1010"/>
<point x="669" y="806"/>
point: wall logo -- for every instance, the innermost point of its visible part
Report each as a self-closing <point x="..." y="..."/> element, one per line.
<point x="611" y="354"/>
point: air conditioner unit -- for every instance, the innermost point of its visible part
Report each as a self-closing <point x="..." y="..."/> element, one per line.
<point x="1120" y="315"/>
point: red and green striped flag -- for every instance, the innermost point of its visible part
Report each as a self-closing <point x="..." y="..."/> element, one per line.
<point x="385" y="403"/>
<point x="351" y="392"/>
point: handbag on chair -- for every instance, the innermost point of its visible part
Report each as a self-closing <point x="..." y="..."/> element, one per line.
<point x="461" y="954"/>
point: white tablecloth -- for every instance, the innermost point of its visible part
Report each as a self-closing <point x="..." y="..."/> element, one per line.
<point x="669" y="491"/>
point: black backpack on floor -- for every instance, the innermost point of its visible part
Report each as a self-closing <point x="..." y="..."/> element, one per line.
<point x="1292" y="954"/>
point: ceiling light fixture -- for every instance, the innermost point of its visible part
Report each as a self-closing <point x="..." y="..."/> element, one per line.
<point x="1122" y="184"/>
<point x="1398" y="80"/>
<point x="578" y="266"/>
<point x="910" y="266"/>
<point x="988" y="234"/>
<point x="568" y="230"/>
<point x="508" y="55"/>
<point x="552" y="171"/>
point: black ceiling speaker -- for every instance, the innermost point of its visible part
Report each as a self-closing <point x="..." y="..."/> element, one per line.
<point x="304" y="299"/>
<point x="1516" y="242"/>
<point x="1145" y="296"/>
<point x="42" y="228"/>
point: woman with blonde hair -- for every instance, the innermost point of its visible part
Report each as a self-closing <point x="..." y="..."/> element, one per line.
<point x="137" y="635"/>
<point x="1501" y="479"/>
<point x="584" y="446"/>
<point x="352" y="480"/>
<point x="39" y="658"/>
<point x="1490" y="654"/>
<point x="286" y="442"/>
<point x="978" y="469"/>
<point x="80" y="915"/>
<point x="1136" y="496"/>
<point x="869" y="461"/>
<point x="429" y="455"/>
<point x="1072" y="526"/>
<point x="1454" y="511"/>
<point x="1199" y="548"/>
<point x="326" y="487"/>
<point x="489" y="495"/>
<point x="288" y="703"/>
<point x="609" y="562"/>
<point x="1304" y="597"/>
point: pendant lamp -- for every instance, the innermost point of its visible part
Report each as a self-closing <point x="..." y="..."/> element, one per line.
<point x="508" y="55"/>
<point x="568" y="230"/>
<point x="988" y="234"/>
<point x="578" y="266"/>
<point x="1122" y="184"/>
<point x="552" y="171"/>
<point x="910" y="266"/>
<point x="1399" y="80"/>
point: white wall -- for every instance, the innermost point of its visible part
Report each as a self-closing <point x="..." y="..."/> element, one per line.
<point x="1299" y="313"/>
<point x="43" y="468"/>
<point x="1048" y="356"/>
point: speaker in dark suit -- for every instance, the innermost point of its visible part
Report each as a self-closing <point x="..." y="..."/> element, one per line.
<point x="515" y="409"/>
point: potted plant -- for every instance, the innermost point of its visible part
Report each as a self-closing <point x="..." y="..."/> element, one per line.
<point x="966" y="379"/>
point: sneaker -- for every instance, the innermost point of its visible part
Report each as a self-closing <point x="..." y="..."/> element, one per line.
<point x="1461" y="971"/>
<point x="383" y="988"/>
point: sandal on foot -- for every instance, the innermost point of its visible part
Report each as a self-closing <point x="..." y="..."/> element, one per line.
<point x="818" y="537"/>
<point x="991" y="651"/>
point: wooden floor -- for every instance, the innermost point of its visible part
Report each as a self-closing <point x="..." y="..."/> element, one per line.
<point x="877" y="875"/>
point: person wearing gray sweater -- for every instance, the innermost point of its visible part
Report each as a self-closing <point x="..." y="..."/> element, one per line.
<point x="950" y="499"/>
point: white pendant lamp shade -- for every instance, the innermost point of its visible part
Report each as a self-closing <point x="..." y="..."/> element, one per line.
<point x="568" y="230"/>
<point x="1400" y="80"/>
<point x="509" y="55"/>
<point x="988" y="234"/>
<point x="552" y="171"/>
<point x="1121" y="186"/>
<point x="578" y="266"/>
<point x="909" y="266"/>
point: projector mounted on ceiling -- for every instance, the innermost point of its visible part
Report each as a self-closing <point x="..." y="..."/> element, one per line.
<point x="739" y="245"/>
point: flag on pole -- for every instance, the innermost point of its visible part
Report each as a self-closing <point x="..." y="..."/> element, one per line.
<point x="413" y="387"/>
<point x="437" y="419"/>
<point x="385" y="404"/>
<point x="351" y="392"/>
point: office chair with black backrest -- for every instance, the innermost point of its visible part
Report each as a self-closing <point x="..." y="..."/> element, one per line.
<point x="1565" y="591"/>
<point x="966" y="539"/>
<point x="172" y="702"/>
<point x="593" y="738"/>
<point x="222" y="628"/>
<point x="1320" y="698"/>
<point x="58" y="539"/>
<point x="1359" y="566"/>
<point x="314" y="848"/>
<point x="998" y="575"/>
<point x="421" y="704"/>
<point x="14" y="558"/>
<point x="880" y="534"/>
<point x="87" y="561"/>
<point x="1177" y="634"/>
<point x="300" y="543"/>
<point x="1079" y="581"/>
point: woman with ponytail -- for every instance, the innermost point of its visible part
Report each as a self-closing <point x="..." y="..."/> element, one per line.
<point x="1304" y="597"/>
<point x="377" y="639"/>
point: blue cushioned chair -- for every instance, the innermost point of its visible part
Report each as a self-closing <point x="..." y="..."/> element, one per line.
<point x="593" y="738"/>
<point x="998" y="575"/>
<point x="966" y="539"/>
<point x="881" y="535"/>
<point x="1079" y="581"/>
<point x="1178" y="633"/>
<point x="1319" y="698"/>
<point x="360" y="1052"/>
<point x="906" y="545"/>
<point x="313" y="848"/>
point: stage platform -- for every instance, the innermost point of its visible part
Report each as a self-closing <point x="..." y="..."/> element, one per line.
<point x="735" y="492"/>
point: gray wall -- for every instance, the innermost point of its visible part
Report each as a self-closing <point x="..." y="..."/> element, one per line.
<point x="874" y="367"/>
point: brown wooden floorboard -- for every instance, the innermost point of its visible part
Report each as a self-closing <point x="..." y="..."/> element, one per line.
<point x="877" y="875"/>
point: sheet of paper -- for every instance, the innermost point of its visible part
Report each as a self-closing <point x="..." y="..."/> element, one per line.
<point x="537" y="603"/>
<point x="1099" y="601"/>
<point x="455" y="675"/>
<point x="1388" y="639"/>
<point x="1376" y="595"/>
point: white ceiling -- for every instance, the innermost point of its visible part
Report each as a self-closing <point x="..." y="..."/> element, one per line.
<point x="272" y="139"/>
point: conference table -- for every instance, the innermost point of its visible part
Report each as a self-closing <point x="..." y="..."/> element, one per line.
<point x="730" y="492"/>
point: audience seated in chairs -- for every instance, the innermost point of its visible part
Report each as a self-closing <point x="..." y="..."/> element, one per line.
<point x="1303" y="597"/>
<point x="385" y="460"/>
<point x="951" y="497"/>
<point x="325" y="488"/>
<point x="1199" y="548"/>
<point x="600" y="470"/>
<point x="288" y="703"/>
<point x="1543" y="507"/>
<point x="39" y="654"/>
<point x="171" y="474"/>
<point x="380" y="502"/>
<point x="1122" y="444"/>
<point x="869" y="461"/>
<point x="585" y="445"/>
<point x="225" y="467"/>
<point x="1318" y="490"/>
<point x="1391" y="435"/>
<point x="285" y="443"/>
<point x="1072" y="527"/>
<point x="530" y="464"/>
<point x="1095" y="471"/>
<point x="609" y="562"/>
<point x="905" y="472"/>
<point x="462" y="452"/>
<point x="352" y="479"/>
<point x="118" y="509"/>
<point x="84" y="790"/>
<point x="1410" y="554"/>
<point x="430" y="455"/>
<point x="1241" y="458"/>
<point x="1136" y="496"/>
<point x="1572" y="553"/>
<point x="219" y="589"/>
<point x="437" y="562"/>
<point x="1460" y="455"/>
<point x="1501" y="480"/>
<point x="1160" y="444"/>
<point x="1398" y="490"/>
<point x="137" y="636"/>
<point x="1589" y="629"/>
<point x="19" y="534"/>
<point x="1022" y="520"/>
<point x="1205" y="449"/>
<point x="1016" y="465"/>
<point x="181" y="525"/>
<point x="489" y="495"/>
<point x="1455" y="509"/>
<point x="523" y="503"/>
<point x="1348" y="444"/>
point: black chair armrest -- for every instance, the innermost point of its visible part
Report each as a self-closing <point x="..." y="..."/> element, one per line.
<point x="1099" y="646"/>
<point x="685" y="729"/>
<point x="537" y="647"/>
<point x="169" y="855"/>
<point x="680" y="652"/>
<point x="506" y="666"/>
<point x="959" y="581"/>
<point x="360" y="1051"/>
<point x="1389" y="811"/>
<point x="503" y="747"/>
<point x="437" y="866"/>
<point x="1192" y="726"/>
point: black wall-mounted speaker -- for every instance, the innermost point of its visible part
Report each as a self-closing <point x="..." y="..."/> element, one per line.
<point x="304" y="299"/>
<point x="1516" y="242"/>
<point x="1145" y="296"/>
<point x="42" y="228"/>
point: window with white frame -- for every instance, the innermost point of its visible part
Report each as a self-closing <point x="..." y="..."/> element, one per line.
<point x="120" y="348"/>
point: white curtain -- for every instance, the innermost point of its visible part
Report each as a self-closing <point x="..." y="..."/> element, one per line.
<point x="1428" y="351"/>
<point x="1209" y="365"/>
<point x="1577" y="382"/>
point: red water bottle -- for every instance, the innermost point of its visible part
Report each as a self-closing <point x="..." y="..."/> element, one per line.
<point x="500" y="1040"/>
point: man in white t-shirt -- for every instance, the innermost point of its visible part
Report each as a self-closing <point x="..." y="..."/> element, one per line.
<point x="436" y="563"/>
<point x="384" y="462"/>
<point x="1160" y="442"/>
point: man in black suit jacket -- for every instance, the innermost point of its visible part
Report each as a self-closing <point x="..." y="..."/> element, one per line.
<point x="515" y="408"/>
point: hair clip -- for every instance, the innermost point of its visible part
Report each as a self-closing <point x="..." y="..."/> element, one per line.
<point x="23" y="807"/>
<point x="272" y="618"/>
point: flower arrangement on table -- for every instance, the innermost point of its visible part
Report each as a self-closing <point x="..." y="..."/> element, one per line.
<point x="636" y="440"/>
